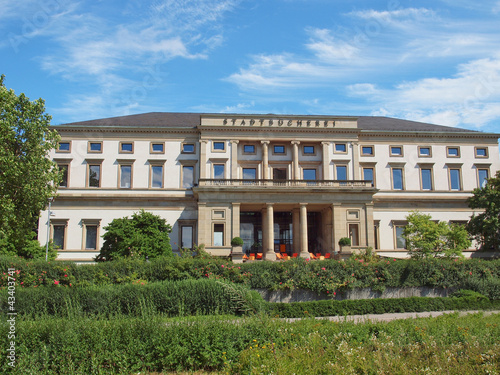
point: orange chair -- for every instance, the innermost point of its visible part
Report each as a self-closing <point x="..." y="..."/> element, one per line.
<point x="245" y="257"/>
<point x="312" y="256"/>
<point x="295" y="255"/>
<point x="327" y="256"/>
<point x="318" y="255"/>
<point x="259" y="255"/>
<point x="252" y="256"/>
<point x="279" y="256"/>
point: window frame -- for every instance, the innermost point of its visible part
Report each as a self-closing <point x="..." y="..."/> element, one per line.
<point x="67" y="164"/>
<point x="335" y="151"/>
<point x="125" y="163"/>
<point x="89" y="147"/>
<point x="184" y="224"/>
<point x="223" y="165"/>
<point x="448" y="148"/>
<point x="217" y="149"/>
<point x="223" y="225"/>
<point x="184" y="144"/>
<point x="392" y="154"/>
<point x="460" y="181"/>
<point x="372" y="150"/>
<point x="151" y="148"/>
<point x="122" y="151"/>
<point x="279" y="153"/>
<point x="313" y="153"/>
<point x="430" y="169"/>
<point x="249" y="168"/>
<point x="402" y="169"/>
<point x="485" y="156"/>
<point x="86" y="223"/>
<point x="63" y="223"/>
<point x="478" y="179"/>
<point x="420" y="155"/>
<point x="188" y="164"/>
<point x="372" y="167"/>
<point x="310" y="169"/>
<point x="249" y="152"/>
<point x="156" y="163"/>
<point x="91" y="163"/>
<point x="58" y="148"/>
<point x="397" y="225"/>
<point x="346" y="172"/>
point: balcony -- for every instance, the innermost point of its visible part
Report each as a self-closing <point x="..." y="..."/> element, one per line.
<point x="322" y="184"/>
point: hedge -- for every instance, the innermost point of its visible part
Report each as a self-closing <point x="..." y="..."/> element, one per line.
<point x="326" y="276"/>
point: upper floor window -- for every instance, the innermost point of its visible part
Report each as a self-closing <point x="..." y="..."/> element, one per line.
<point x="64" y="146"/>
<point x="309" y="174"/>
<point x="249" y="149"/>
<point x="453" y="152"/>
<point x="94" y="175"/>
<point x="309" y="150"/>
<point x="397" y="179"/>
<point x="426" y="178"/>
<point x="482" y="176"/>
<point x="424" y="151"/>
<point x="95" y="147"/>
<point x="219" y="171"/>
<point x="125" y="176"/>
<point x="396" y="150"/>
<point x="156" y="176"/>
<point x="249" y="173"/>
<point x="188" y="148"/>
<point x="369" y="175"/>
<point x="455" y="179"/>
<point x="341" y="147"/>
<point x="341" y="171"/>
<point x="187" y="176"/>
<point x="481" y="152"/>
<point x="219" y="146"/>
<point x="157" y="148"/>
<point x="367" y="150"/>
<point x="279" y="149"/>
<point x="64" y="168"/>
<point x="126" y="147"/>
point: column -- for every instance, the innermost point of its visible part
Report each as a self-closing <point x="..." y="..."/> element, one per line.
<point x="326" y="218"/>
<point x="203" y="158"/>
<point x="237" y="251"/>
<point x="270" y="254"/>
<point x="304" y="248"/>
<point x="296" y="230"/>
<point x="234" y="159"/>
<point x="265" y="160"/>
<point x="370" y="226"/>
<point x="326" y="161"/>
<point x="355" y="161"/>
<point x="295" y="159"/>
<point x="263" y="213"/>
<point x="337" y="226"/>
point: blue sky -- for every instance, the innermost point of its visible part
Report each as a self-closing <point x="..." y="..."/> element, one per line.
<point x="433" y="61"/>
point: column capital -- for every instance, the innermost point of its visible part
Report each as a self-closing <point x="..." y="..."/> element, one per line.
<point x="326" y="143"/>
<point x="236" y="204"/>
<point x="205" y="141"/>
<point x="269" y="205"/>
<point x="265" y="142"/>
<point x="303" y="204"/>
<point x="234" y="141"/>
<point x="295" y="142"/>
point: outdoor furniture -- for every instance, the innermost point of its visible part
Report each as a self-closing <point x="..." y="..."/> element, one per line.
<point x="259" y="255"/>
<point x="327" y="256"/>
<point x="252" y="256"/>
<point x="295" y="255"/>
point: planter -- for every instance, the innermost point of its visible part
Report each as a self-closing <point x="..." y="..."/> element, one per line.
<point x="237" y="254"/>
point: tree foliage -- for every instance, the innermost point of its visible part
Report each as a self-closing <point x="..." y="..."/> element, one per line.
<point x="143" y="235"/>
<point x="27" y="176"/>
<point x="426" y="238"/>
<point x="485" y="227"/>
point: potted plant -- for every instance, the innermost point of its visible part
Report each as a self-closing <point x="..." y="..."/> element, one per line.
<point x="237" y="252"/>
<point x="345" y="244"/>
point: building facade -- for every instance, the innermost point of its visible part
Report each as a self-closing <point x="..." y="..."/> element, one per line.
<point x="294" y="184"/>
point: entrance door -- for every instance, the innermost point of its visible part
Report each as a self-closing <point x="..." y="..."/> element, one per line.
<point x="354" y="234"/>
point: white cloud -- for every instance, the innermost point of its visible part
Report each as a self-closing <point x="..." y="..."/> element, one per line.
<point x="398" y="15"/>
<point x="330" y="49"/>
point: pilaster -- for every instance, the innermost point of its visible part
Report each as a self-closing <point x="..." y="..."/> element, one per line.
<point x="265" y="160"/>
<point x="304" y="248"/>
<point x="203" y="158"/>
<point x="295" y="159"/>
<point x="234" y="158"/>
<point x="270" y="254"/>
<point x="326" y="160"/>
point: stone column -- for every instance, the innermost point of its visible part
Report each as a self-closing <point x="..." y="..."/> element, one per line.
<point x="355" y="161"/>
<point x="295" y="159"/>
<point x="270" y="254"/>
<point x="203" y="158"/>
<point x="326" y="160"/>
<point x="370" y="226"/>
<point x="234" y="159"/>
<point x="265" y="160"/>
<point x="263" y="213"/>
<point x="237" y="251"/>
<point x="338" y="226"/>
<point x="296" y="230"/>
<point x="304" y="249"/>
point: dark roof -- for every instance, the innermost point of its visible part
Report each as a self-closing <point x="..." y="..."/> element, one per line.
<point x="191" y="120"/>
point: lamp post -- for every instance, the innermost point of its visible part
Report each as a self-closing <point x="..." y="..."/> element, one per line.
<point x="48" y="232"/>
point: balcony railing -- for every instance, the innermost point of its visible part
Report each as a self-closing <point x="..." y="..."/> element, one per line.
<point x="205" y="182"/>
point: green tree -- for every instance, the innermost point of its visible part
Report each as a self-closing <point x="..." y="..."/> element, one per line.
<point x="27" y="176"/>
<point x="485" y="227"/>
<point x="143" y="235"/>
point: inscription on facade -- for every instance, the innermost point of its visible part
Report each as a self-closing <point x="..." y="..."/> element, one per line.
<point x="270" y="122"/>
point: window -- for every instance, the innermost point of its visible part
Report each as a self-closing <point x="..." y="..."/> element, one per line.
<point x="397" y="178"/>
<point x="187" y="237"/>
<point x="219" y="146"/>
<point x="453" y="152"/>
<point x="309" y="150"/>
<point x="188" y="148"/>
<point x="454" y="175"/>
<point x="125" y="176"/>
<point x="126" y="147"/>
<point x="400" y="240"/>
<point x="64" y="168"/>
<point x="95" y="147"/>
<point x="341" y="172"/>
<point x="64" y="147"/>
<point x="187" y="176"/>
<point x="482" y="176"/>
<point x="59" y="234"/>
<point x="157" y="148"/>
<point x="481" y="152"/>
<point x="309" y="174"/>
<point x="354" y="234"/>
<point x="396" y="150"/>
<point x="249" y="149"/>
<point x="367" y="151"/>
<point x="91" y="233"/>
<point x="218" y="234"/>
<point x="249" y="173"/>
<point x="340" y="147"/>
<point x="279" y="173"/>
<point x="94" y="175"/>
<point x="279" y="149"/>
<point x="157" y="176"/>
<point x="426" y="178"/>
<point x="219" y="171"/>
<point x="424" y="151"/>
<point x="368" y="175"/>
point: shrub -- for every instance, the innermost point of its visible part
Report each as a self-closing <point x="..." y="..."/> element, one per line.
<point x="345" y="241"/>
<point x="237" y="241"/>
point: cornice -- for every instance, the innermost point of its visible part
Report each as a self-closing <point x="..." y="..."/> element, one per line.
<point x="413" y="134"/>
<point x="115" y="129"/>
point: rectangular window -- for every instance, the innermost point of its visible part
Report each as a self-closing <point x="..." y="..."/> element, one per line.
<point x="249" y="173"/>
<point x="187" y="237"/>
<point x="279" y="173"/>
<point x="354" y="234"/>
<point x="218" y="234"/>
<point x="157" y="176"/>
<point x="308" y="150"/>
<point x="94" y="176"/>
<point x="340" y="147"/>
<point x="125" y="176"/>
<point x="187" y="176"/>
<point x="455" y="183"/>
<point x="481" y="152"/>
<point x="64" y="169"/>
<point x="341" y="172"/>
<point x="219" y="146"/>
<point x="309" y="174"/>
<point x="157" y="148"/>
<point x="126" y="147"/>
<point x="453" y="152"/>
<point x="397" y="178"/>
<point x="279" y="149"/>
<point x="219" y="171"/>
<point x="249" y="149"/>
<point x="482" y="175"/>
<point x="188" y="148"/>
<point x="368" y="175"/>
<point x="91" y="237"/>
<point x="367" y="150"/>
<point x="95" y="147"/>
<point x="59" y="232"/>
<point x="400" y="240"/>
<point x="426" y="178"/>
<point x="396" y="150"/>
<point x="424" y="151"/>
<point x="64" y="147"/>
